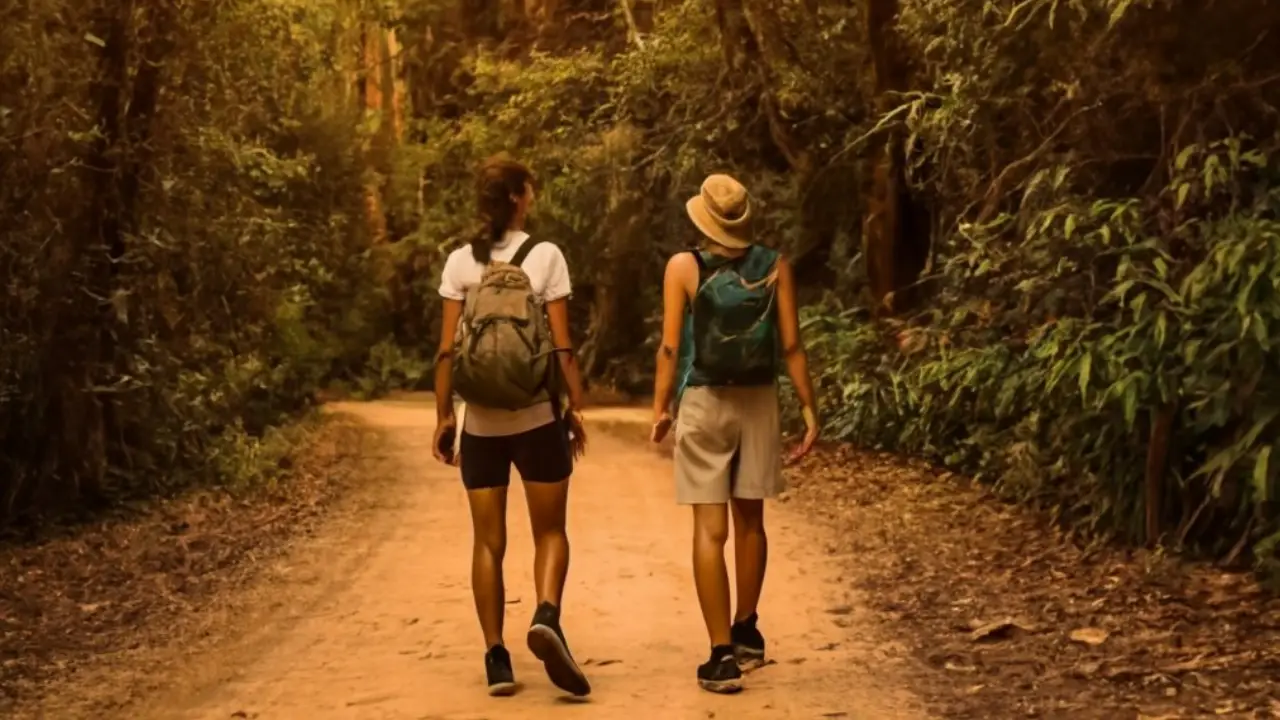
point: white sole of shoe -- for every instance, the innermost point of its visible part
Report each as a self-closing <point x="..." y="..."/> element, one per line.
<point x="502" y="689"/>
<point x="721" y="687"/>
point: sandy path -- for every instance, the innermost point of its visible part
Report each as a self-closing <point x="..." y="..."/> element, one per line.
<point x="397" y="638"/>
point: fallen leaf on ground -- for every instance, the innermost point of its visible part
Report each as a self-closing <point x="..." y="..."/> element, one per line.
<point x="1086" y="670"/>
<point x="1001" y="630"/>
<point x="1090" y="636"/>
<point x="1194" y="663"/>
<point x="929" y="553"/>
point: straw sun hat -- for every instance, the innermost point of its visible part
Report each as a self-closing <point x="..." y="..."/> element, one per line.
<point x="722" y="211"/>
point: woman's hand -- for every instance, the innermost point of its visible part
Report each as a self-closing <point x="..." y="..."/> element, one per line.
<point x="812" y="428"/>
<point x="577" y="434"/>
<point x="442" y="443"/>
<point x="662" y="422"/>
<point x="446" y="421"/>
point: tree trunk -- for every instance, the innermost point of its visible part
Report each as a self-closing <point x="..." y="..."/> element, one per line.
<point x="880" y="230"/>
<point x="617" y="320"/>
<point x="617" y="325"/>
<point x="393" y="80"/>
<point x="371" y="96"/>
<point x="895" y="232"/>
<point x="136" y="170"/>
<point x="77" y="460"/>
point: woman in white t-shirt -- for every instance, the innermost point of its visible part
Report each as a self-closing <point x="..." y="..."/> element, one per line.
<point x="532" y="439"/>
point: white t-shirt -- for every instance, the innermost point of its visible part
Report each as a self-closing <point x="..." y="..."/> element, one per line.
<point x="549" y="275"/>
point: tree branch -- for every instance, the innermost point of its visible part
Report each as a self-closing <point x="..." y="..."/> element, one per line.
<point x="632" y="31"/>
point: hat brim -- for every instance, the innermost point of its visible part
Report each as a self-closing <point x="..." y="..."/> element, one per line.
<point x="706" y="222"/>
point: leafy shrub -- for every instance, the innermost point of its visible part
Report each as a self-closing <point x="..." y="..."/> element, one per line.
<point x="1069" y="329"/>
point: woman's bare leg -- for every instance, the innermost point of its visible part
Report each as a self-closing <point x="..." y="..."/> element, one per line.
<point x="548" y="505"/>
<point x="489" y="525"/>
<point x="710" y="533"/>
<point x="751" y="555"/>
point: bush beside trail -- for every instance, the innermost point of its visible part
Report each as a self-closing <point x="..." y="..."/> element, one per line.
<point x="184" y="257"/>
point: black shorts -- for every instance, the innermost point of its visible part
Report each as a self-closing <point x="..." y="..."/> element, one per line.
<point x="541" y="455"/>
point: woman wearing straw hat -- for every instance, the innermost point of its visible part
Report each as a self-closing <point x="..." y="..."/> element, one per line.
<point x="729" y="317"/>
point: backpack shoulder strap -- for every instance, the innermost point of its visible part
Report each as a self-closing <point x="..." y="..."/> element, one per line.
<point x="697" y="257"/>
<point x="522" y="253"/>
<point x="759" y="263"/>
<point x="702" y="270"/>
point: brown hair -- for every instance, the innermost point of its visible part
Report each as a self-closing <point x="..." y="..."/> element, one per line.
<point x="499" y="179"/>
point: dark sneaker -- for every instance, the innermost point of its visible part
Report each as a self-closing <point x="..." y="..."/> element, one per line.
<point x="547" y="643"/>
<point x="497" y="666"/>
<point x="748" y="643"/>
<point x="721" y="673"/>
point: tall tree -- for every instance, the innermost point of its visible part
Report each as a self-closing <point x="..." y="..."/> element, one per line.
<point x="896" y="229"/>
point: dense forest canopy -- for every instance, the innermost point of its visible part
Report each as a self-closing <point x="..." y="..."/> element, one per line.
<point x="1038" y="238"/>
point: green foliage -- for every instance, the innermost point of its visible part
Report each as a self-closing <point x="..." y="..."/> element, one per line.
<point x="1068" y="327"/>
<point x="248" y="462"/>
<point x="1105" y="257"/>
<point x="391" y="368"/>
<point x="543" y="109"/>
<point x="184" y="253"/>
<point x="620" y="134"/>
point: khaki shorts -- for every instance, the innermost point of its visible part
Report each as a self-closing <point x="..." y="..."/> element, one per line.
<point x="728" y="445"/>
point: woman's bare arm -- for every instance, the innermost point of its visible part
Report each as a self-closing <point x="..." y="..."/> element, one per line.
<point x="792" y="344"/>
<point x="558" y="315"/>
<point x="675" y="293"/>
<point x="450" y="315"/>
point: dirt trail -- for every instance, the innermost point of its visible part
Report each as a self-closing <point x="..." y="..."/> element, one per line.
<point x="396" y="636"/>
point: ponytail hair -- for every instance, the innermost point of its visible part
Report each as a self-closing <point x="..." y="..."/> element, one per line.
<point x="499" y="180"/>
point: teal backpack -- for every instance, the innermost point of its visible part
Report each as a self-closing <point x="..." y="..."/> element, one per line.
<point x="731" y="328"/>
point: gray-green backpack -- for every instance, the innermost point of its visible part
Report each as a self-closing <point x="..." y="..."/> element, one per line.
<point x="503" y="355"/>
